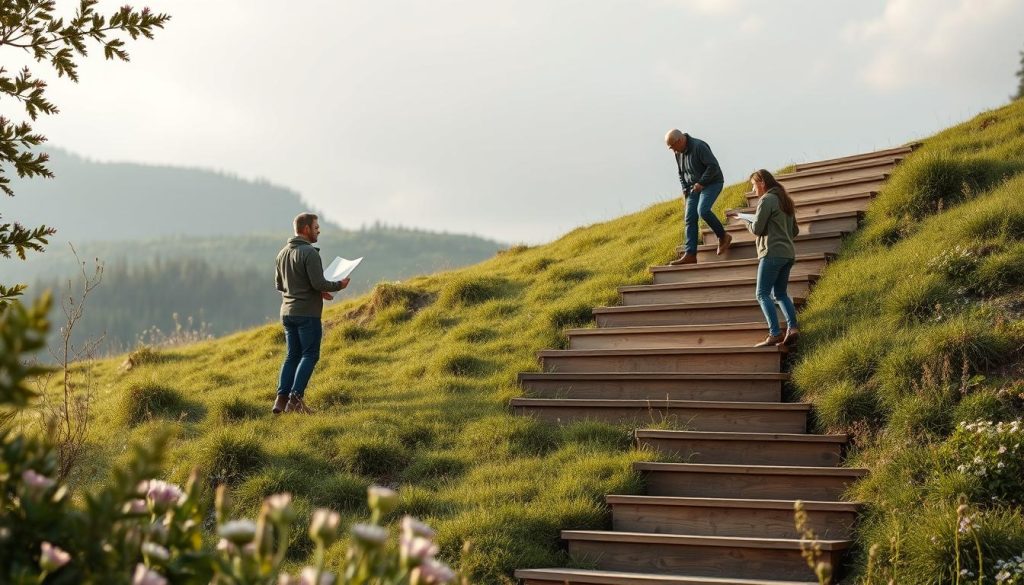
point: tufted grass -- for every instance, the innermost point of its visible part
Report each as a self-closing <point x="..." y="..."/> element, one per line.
<point x="919" y="326"/>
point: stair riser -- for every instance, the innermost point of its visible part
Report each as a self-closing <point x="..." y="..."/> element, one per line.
<point x="708" y="272"/>
<point x="879" y="167"/>
<point x="722" y="521"/>
<point x="750" y="563"/>
<point x="748" y="452"/>
<point x="888" y="153"/>
<point x="747" y="250"/>
<point x="725" y="338"/>
<point x="711" y="316"/>
<point x="828" y="190"/>
<point x="713" y="390"/>
<point x="704" y="294"/>
<point x="828" y="207"/>
<point x="807" y="226"/>
<point x="675" y="363"/>
<point x="710" y="420"/>
<point x="746" y="485"/>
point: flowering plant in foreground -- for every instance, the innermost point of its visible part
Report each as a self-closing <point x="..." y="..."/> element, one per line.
<point x="993" y="452"/>
<point x="143" y="531"/>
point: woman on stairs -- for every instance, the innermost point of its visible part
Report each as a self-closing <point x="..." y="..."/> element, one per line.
<point x="774" y="228"/>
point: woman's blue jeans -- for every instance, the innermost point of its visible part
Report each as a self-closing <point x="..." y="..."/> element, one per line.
<point x="772" y="282"/>
<point x="698" y="205"/>
<point x="302" y="336"/>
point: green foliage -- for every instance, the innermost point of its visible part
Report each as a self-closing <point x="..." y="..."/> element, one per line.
<point x="32" y="26"/>
<point x="992" y="452"/>
<point x="912" y="344"/>
<point x="145" y="400"/>
<point x="230" y="455"/>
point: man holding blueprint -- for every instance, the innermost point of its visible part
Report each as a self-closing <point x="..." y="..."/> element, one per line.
<point x="304" y="286"/>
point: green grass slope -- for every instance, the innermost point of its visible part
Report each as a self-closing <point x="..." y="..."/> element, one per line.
<point x="412" y="391"/>
<point x="916" y="333"/>
<point x="906" y="336"/>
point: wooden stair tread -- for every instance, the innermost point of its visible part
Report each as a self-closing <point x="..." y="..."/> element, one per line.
<point x="739" y="262"/>
<point x="809" y="201"/>
<point x="555" y="376"/>
<point x="659" y="351"/>
<point x="810" y="506"/>
<point x="679" y="306"/>
<point x="709" y="284"/>
<point x="661" y="403"/>
<point x="796" y="240"/>
<point x="729" y="436"/>
<point x="741" y="226"/>
<point x="905" y="149"/>
<point x="843" y="183"/>
<point x="685" y="539"/>
<point x="866" y="163"/>
<point x="750" y="469"/>
<point x="633" y="329"/>
<point x="597" y="577"/>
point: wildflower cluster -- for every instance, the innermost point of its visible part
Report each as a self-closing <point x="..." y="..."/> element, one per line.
<point x="992" y="452"/>
<point x="1010" y="572"/>
<point x="956" y="263"/>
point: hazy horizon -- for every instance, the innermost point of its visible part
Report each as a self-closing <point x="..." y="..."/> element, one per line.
<point x="519" y="121"/>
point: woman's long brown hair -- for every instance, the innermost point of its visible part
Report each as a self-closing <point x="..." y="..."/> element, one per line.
<point x="770" y="182"/>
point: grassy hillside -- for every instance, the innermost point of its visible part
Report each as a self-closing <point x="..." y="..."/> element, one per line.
<point x="914" y="336"/>
<point x="412" y="390"/>
<point x="905" y="337"/>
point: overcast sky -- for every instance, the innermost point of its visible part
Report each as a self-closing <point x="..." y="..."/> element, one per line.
<point x="522" y="119"/>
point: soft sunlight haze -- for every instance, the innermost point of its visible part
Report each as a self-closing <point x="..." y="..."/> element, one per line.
<point x="522" y="120"/>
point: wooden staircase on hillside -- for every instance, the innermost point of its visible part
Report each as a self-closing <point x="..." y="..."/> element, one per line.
<point x="681" y="349"/>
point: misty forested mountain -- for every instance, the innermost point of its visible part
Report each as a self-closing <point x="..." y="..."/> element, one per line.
<point x="151" y="228"/>
<point x="89" y="200"/>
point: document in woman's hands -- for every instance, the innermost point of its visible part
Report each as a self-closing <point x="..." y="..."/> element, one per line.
<point x="747" y="217"/>
<point x="340" y="268"/>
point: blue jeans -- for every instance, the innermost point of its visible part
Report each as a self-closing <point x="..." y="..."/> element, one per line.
<point x="302" y="336"/>
<point x="772" y="282"/>
<point x="699" y="205"/>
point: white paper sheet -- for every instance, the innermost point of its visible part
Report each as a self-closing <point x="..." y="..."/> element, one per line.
<point x="747" y="217"/>
<point x="340" y="268"/>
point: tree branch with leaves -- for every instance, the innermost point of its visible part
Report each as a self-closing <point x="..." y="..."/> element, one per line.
<point x="32" y="27"/>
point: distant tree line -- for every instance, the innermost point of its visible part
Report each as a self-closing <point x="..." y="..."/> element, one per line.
<point x="134" y="298"/>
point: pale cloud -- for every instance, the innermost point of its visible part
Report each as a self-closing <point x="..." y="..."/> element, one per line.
<point x="927" y="42"/>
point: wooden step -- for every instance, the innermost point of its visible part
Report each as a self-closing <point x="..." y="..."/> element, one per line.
<point x="828" y="174"/>
<point x="845" y="160"/>
<point x="594" y="577"/>
<point x="698" y="359"/>
<point x="729" y="517"/>
<point x="733" y="269"/>
<point x="715" y="556"/>
<point x="834" y="189"/>
<point x="735" y="289"/>
<point x="746" y="448"/>
<point x="718" y="312"/>
<point x="720" y="335"/>
<point x="688" y="386"/>
<point x="770" y="482"/>
<point x="847" y="221"/>
<point x="767" y="417"/>
<point x="825" y="205"/>
<point x="820" y="243"/>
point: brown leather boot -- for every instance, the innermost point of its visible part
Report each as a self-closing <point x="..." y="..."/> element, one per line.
<point x="790" y="340"/>
<point x="770" y="340"/>
<point x="684" y="259"/>
<point x="296" y="404"/>
<point x="280" y="403"/>
<point x="724" y="243"/>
